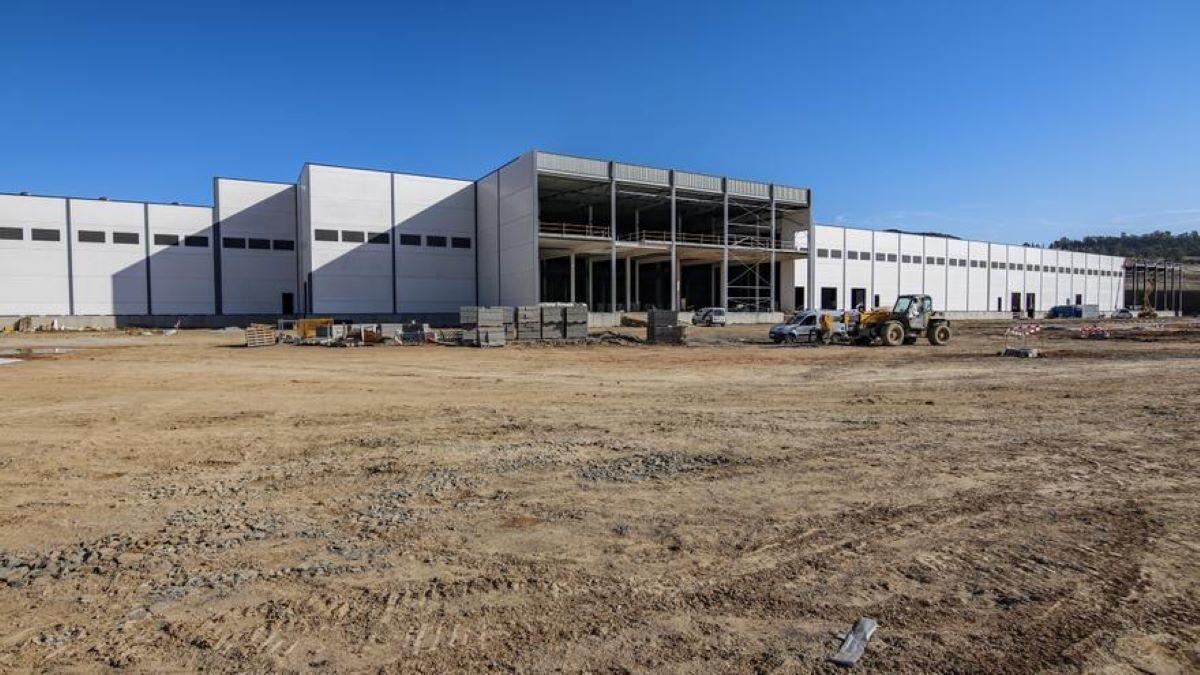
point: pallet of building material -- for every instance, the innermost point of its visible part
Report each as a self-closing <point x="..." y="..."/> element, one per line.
<point x="670" y="335"/>
<point x="260" y="335"/>
<point x="554" y="331"/>
<point x="529" y="331"/>
<point x="552" y="314"/>
<point x="577" y="313"/>
<point x="662" y="317"/>
<point x="483" y="337"/>
<point x="528" y="314"/>
<point x="576" y="331"/>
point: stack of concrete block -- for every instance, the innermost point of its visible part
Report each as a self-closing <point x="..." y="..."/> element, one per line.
<point x="529" y="322"/>
<point x="662" y="327"/>
<point x="483" y="326"/>
<point x="554" y="325"/>
<point x="576" y="320"/>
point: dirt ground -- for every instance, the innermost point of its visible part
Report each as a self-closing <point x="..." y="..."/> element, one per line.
<point x="179" y="503"/>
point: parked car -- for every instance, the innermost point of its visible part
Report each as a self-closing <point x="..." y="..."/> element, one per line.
<point x="709" y="316"/>
<point x="1065" y="312"/>
<point x="799" y="327"/>
<point x="1123" y="313"/>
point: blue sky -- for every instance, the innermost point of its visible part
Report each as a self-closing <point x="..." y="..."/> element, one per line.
<point x="1014" y="121"/>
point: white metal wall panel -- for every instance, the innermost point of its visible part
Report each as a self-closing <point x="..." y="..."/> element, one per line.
<point x="633" y="173"/>
<point x="580" y="166"/>
<point x="33" y="274"/>
<point x="912" y="273"/>
<point x="791" y="195"/>
<point x="978" y="276"/>
<point x="253" y="281"/>
<point x="304" y="240"/>
<point x="181" y="275"/>
<point x="1092" y="279"/>
<point x="434" y="279"/>
<point x="935" y="271"/>
<point x="350" y="276"/>
<point x="748" y="188"/>
<point x="518" y="243"/>
<point x="1048" y="283"/>
<point x="108" y="278"/>
<point x="1016" y="280"/>
<point x="828" y="259"/>
<point x="487" y="209"/>
<point x="887" y="271"/>
<point x="998" y="299"/>
<point x="697" y="181"/>
<point x="859" y="269"/>
<point x="1078" y="279"/>
<point x="957" y="280"/>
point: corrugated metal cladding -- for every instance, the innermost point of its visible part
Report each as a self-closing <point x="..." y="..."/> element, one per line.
<point x="576" y="165"/>
<point x="697" y="181"/>
<point x="791" y="195"/>
<point x="746" y="188"/>
<point x="641" y="174"/>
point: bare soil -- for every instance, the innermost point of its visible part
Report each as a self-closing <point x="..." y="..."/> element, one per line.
<point x="180" y="503"/>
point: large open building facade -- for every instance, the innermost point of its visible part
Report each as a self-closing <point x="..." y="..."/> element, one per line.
<point x="544" y="227"/>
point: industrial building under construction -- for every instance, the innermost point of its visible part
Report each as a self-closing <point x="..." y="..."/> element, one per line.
<point x="544" y="227"/>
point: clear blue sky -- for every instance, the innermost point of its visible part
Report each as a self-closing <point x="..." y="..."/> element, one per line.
<point x="1013" y="121"/>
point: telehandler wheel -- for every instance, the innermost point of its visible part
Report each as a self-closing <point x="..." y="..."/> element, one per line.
<point x="892" y="334"/>
<point x="939" y="334"/>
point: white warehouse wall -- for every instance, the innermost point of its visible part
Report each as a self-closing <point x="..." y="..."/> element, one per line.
<point x="108" y="277"/>
<point x="33" y="274"/>
<point x="181" y="259"/>
<point x="518" y="237"/>
<point x="429" y="278"/>
<point x="351" y="272"/>
<point x="487" y="248"/>
<point x="959" y="275"/>
<point x="253" y="280"/>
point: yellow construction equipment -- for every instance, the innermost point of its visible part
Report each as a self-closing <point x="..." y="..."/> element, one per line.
<point x="907" y="321"/>
<point x="1148" y="311"/>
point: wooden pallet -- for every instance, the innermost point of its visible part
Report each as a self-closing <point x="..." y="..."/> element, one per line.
<point x="260" y="335"/>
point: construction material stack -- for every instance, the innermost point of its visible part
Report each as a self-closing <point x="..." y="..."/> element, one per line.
<point x="554" y="325"/>
<point x="576" y="319"/>
<point x="662" y="327"/>
<point x="482" y="326"/>
<point x="260" y="335"/>
<point x="529" y="322"/>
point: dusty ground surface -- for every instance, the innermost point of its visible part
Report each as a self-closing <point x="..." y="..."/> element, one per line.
<point x="181" y="503"/>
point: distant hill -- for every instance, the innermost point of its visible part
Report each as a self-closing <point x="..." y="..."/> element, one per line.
<point x="1155" y="245"/>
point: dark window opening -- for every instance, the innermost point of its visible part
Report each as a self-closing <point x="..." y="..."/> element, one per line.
<point x="460" y="242"/>
<point x="941" y="261"/>
<point x="852" y="255"/>
<point x="260" y="244"/>
<point x="325" y="235"/>
<point x="91" y="236"/>
<point x="822" y="253"/>
<point x="197" y="240"/>
<point x="858" y="297"/>
<point x="410" y="240"/>
<point x="798" y="297"/>
<point x="126" y="238"/>
<point x="233" y="242"/>
<point x="12" y="233"/>
<point x="353" y="236"/>
<point x="876" y="300"/>
<point x="38" y="234"/>
<point x="835" y="253"/>
<point x="380" y="238"/>
<point x="166" y="240"/>
<point x="906" y="258"/>
<point x="284" y="245"/>
<point x="829" y="298"/>
<point x="879" y="257"/>
<point x="431" y="240"/>
<point x="891" y="257"/>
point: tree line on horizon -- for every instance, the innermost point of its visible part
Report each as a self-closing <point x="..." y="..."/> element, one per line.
<point x="1158" y="244"/>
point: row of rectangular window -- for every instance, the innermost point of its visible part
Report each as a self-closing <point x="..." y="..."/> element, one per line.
<point x="958" y="262"/>
<point x="356" y="236"/>
<point x="258" y="244"/>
